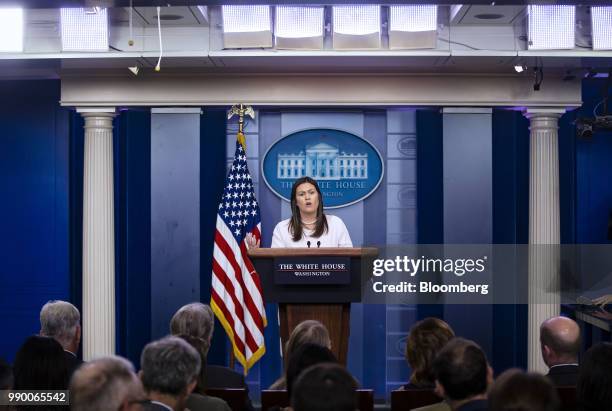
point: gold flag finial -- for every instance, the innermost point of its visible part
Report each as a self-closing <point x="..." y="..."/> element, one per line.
<point x="241" y="110"/>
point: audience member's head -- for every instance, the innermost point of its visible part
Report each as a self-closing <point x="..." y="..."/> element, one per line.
<point x="169" y="370"/>
<point x="307" y="332"/>
<point x="201" y="346"/>
<point x="461" y="370"/>
<point x="40" y="365"/>
<point x="107" y="383"/>
<point x="196" y="320"/>
<point x="425" y="339"/>
<point x="61" y="320"/>
<point x="594" y="389"/>
<point x="324" y="387"/>
<point x="559" y="341"/>
<point x="6" y="375"/>
<point x="516" y="390"/>
<point x="303" y="357"/>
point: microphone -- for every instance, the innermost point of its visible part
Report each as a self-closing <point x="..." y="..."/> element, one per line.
<point x="308" y="244"/>
<point x="318" y="244"/>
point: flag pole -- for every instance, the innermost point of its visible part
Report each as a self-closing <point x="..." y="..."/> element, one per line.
<point x="240" y="110"/>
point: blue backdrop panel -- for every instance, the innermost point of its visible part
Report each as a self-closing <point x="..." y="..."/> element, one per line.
<point x="593" y="173"/>
<point x="133" y="225"/>
<point x="175" y="215"/>
<point x="468" y="207"/>
<point x="212" y="179"/>
<point x="510" y="226"/>
<point x="34" y="206"/>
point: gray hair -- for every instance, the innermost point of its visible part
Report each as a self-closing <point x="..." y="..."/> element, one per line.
<point x="104" y="384"/>
<point x="195" y="320"/>
<point x="59" y="319"/>
<point x="169" y="365"/>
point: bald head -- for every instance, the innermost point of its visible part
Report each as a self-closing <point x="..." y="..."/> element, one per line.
<point x="560" y="341"/>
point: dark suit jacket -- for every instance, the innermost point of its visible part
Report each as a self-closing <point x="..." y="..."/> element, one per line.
<point x="223" y="377"/>
<point x="478" y="405"/>
<point x="563" y="375"/>
<point x="72" y="362"/>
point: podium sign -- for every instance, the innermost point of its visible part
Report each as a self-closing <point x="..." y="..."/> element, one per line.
<point x="312" y="270"/>
<point x="314" y="284"/>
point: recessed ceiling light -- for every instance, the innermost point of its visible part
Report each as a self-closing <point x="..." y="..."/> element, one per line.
<point x="488" y="16"/>
<point x="170" y="17"/>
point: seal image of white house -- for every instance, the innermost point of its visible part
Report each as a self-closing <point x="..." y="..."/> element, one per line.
<point x="322" y="162"/>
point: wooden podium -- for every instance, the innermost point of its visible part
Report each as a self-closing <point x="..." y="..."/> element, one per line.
<point x="326" y="299"/>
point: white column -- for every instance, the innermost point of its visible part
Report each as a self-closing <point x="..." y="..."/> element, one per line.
<point x="98" y="234"/>
<point x="544" y="227"/>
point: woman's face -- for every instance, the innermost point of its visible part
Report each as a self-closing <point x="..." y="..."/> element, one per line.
<point x="307" y="199"/>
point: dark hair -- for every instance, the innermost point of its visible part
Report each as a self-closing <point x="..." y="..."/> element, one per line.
<point x="303" y="357"/>
<point x="516" y="390"/>
<point x="324" y="387"/>
<point x="295" y="224"/>
<point x="425" y="339"/>
<point x="594" y="387"/>
<point x="201" y="346"/>
<point x="40" y="364"/>
<point x="6" y="375"/>
<point x="461" y="368"/>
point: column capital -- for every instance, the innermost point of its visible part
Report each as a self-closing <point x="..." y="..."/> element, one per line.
<point x="96" y="111"/>
<point x="533" y="112"/>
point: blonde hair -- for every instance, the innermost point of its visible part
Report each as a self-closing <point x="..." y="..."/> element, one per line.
<point x="425" y="339"/>
<point x="307" y="332"/>
<point x="195" y="320"/>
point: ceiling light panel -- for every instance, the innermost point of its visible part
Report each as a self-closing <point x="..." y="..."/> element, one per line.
<point x="413" y="18"/>
<point x="299" y="27"/>
<point x="413" y="27"/>
<point x="246" y="26"/>
<point x="356" y="27"/>
<point x="601" y="23"/>
<point x="11" y="30"/>
<point x="83" y="30"/>
<point x="551" y="27"/>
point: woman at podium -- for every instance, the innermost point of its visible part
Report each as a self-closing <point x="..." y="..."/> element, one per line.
<point x="309" y="226"/>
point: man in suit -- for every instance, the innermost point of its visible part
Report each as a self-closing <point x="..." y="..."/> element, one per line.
<point x="107" y="383"/>
<point x="197" y="320"/>
<point x="560" y="345"/>
<point x="463" y="375"/>
<point x="169" y="373"/>
<point x="61" y="321"/>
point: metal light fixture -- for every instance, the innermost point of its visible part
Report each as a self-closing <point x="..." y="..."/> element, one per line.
<point x="246" y="26"/>
<point x="299" y="27"/>
<point x="84" y="32"/>
<point x="413" y="26"/>
<point x="356" y="27"/>
<point x="551" y="27"/>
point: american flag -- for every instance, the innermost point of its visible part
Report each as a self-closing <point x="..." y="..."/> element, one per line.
<point x="237" y="298"/>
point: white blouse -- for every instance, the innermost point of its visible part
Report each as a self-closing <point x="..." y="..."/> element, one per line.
<point x="336" y="236"/>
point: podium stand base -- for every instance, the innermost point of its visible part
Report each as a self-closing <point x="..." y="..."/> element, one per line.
<point x="336" y="317"/>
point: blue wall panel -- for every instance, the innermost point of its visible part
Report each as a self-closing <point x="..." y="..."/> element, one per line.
<point x="34" y="206"/>
<point x="212" y="179"/>
<point x="593" y="173"/>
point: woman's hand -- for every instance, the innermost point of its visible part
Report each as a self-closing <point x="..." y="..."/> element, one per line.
<point x="251" y="241"/>
<point x="603" y="300"/>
